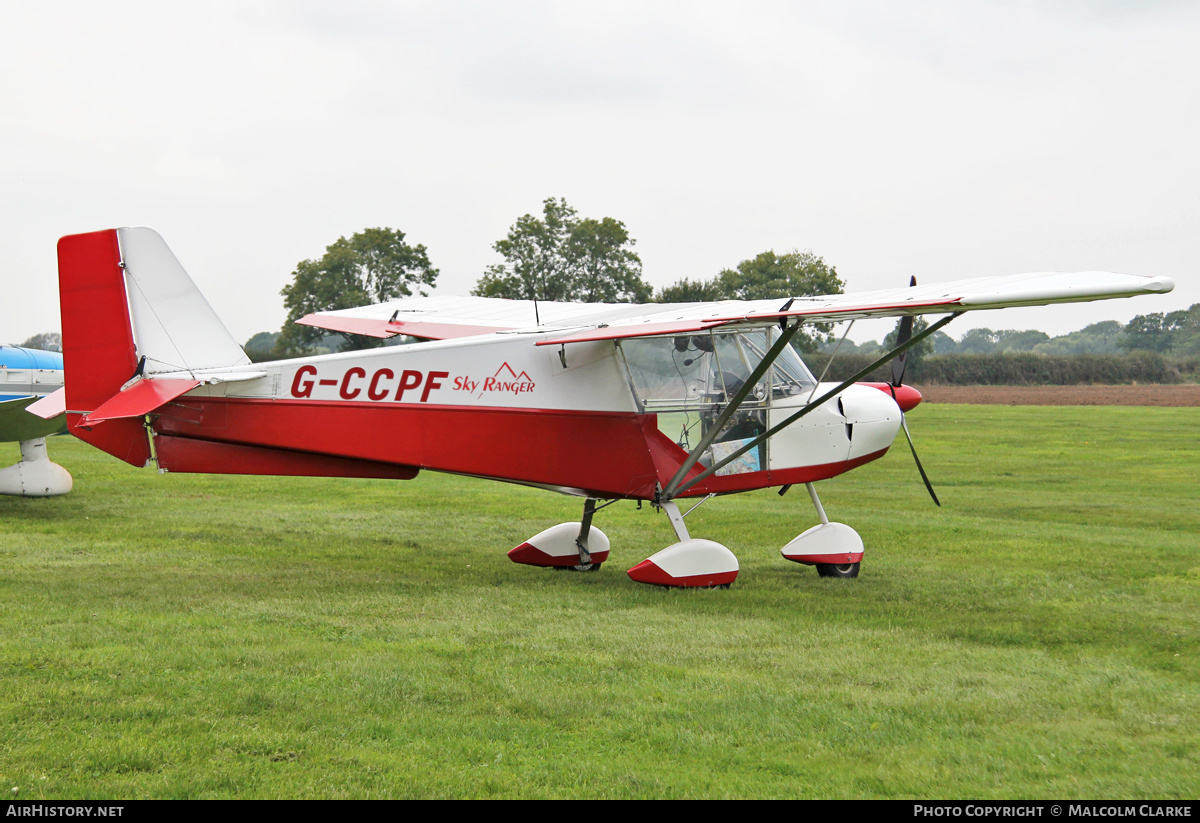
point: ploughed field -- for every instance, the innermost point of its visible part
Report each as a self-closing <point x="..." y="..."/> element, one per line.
<point x="1147" y="395"/>
<point x="1038" y="636"/>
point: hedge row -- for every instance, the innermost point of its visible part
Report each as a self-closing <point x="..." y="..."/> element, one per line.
<point x="1015" y="369"/>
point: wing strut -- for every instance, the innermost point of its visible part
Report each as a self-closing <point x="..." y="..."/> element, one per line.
<point x="674" y="489"/>
<point x="734" y="403"/>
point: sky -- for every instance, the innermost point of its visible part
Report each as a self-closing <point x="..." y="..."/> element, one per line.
<point x="937" y="139"/>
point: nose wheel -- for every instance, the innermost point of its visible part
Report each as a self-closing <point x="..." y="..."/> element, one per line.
<point x="834" y="548"/>
<point x="837" y="569"/>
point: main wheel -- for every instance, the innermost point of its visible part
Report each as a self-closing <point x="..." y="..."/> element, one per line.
<point x="588" y="567"/>
<point x="837" y="569"/>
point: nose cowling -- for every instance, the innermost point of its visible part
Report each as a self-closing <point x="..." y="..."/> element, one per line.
<point x="906" y="397"/>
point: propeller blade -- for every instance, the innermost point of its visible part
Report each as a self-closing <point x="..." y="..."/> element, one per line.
<point x="900" y="363"/>
<point x="920" y="468"/>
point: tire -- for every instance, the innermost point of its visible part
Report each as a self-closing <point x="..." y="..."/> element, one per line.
<point x="838" y="569"/>
<point x="591" y="567"/>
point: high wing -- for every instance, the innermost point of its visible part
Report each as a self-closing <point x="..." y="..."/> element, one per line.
<point x="1036" y="289"/>
<point x="441" y="318"/>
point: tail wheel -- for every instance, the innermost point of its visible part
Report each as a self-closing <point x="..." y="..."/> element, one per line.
<point x="838" y="569"/>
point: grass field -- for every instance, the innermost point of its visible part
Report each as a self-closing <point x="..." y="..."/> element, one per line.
<point x="191" y="636"/>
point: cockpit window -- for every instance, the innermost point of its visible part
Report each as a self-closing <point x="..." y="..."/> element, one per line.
<point x="789" y="375"/>
<point x="688" y="381"/>
<point x="691" y="372"/>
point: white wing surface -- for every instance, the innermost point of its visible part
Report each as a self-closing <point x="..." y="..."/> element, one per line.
<point x="440" y="318"/>
<point x="445" y="317"/>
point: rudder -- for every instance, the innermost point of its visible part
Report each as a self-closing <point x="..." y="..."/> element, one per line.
<point x="99" y="355"/>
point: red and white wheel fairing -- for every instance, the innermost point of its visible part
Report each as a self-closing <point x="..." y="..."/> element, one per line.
<point x="556" y="546"/>
<point x="689" y="563"/>
<point x="832" y="543"/>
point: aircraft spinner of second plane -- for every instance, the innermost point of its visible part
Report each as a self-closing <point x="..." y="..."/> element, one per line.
<point x="659" y="403"/>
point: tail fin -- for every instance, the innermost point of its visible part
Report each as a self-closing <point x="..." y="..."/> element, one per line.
<point x="129" y="309"/>
<point x="174" y="327"/>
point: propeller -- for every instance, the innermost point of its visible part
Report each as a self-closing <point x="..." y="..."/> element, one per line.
<point x="920" y="468"/>
<point x="899" y="364"/>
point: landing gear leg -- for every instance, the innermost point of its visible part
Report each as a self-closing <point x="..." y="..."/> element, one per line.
<point x="578" y="546"/>
<point x="834" y="548"/>
<point x="812" y="492"/>
<point x="672" y="510"/>
<point x="585" y="563"/>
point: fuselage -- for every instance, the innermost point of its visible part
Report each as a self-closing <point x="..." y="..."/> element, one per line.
<point x="573" y="418"/>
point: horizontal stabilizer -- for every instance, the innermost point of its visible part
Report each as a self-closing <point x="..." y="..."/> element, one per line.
<point x="50" y="406"/>
<point x="139" y="398"/>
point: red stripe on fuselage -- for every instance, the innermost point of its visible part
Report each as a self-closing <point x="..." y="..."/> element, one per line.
<point x="181" y="454"/>
<point x="606" y="454"/>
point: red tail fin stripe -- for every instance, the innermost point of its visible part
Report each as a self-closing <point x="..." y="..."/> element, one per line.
<point x="98" y="350"/>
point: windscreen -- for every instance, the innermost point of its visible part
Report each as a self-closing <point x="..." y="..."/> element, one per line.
<point x="688" y="381"/>
<point x="689" y="372"/>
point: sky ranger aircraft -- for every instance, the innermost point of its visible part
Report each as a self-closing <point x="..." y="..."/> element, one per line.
<point x="26" y="375"/>
<point x="660" y="403"/>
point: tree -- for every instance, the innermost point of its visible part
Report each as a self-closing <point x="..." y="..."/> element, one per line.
<point x="373" y="266"/>
<point x="605" y="268"/>
<point x="794" y="274"/>
<point x="848" y="346"/>
<point x="918" y="352"/>
<point x="46" y="341"/>
<point x="1185" y="331"/>
<point x="769" y="275"/>
<point x="562" y="257"/>
<point x="977" y="341"/>
<point x="943" y="343"/>
<point x="1097" y="338"/>
<point x="690" y="291"/>
<point x="1013" y="340"/>
<point x="1146" y="332"/>
<point x="260" y="347"/>
<point x="1176" y="333"/>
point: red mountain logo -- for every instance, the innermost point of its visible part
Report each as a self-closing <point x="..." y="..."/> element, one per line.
<point x="505" y="367"/>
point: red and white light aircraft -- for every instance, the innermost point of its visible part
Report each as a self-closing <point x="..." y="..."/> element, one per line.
<point x="652" y="403"/>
